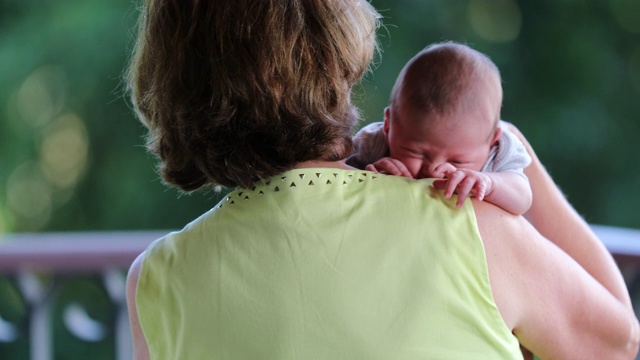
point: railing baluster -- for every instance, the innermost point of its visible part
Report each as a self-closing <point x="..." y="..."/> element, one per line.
<point x="36" y="295"/>
<point x="114" y="281"/>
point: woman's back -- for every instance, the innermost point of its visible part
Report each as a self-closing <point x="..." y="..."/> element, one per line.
<point x="327" y="264"/>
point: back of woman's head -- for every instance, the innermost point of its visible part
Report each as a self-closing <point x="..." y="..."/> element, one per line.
<point x="233" y="91"/>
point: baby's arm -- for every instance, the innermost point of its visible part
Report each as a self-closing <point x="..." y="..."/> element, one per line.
<point x="511" y="191"/>
<point x="508" y="190"/>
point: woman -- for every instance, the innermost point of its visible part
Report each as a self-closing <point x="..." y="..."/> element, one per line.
<point x="310" y="258"/>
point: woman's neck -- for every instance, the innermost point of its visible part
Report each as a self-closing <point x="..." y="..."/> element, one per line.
<point x="324" y="164"/>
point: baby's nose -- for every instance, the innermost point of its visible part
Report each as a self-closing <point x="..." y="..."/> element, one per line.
<point x="442" y="170"/>
<point x="428" y="170"/>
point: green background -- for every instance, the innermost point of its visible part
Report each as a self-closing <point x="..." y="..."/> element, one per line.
<point x="71" y="150"/>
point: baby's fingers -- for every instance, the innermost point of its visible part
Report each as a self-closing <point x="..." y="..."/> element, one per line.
<point x="440" y="184"/>
<point x="371" y="167"/>
<point x="464" y="190"/>
<point x="444" y="169"/>
<point x="453" y="182"/>
<point x="389" y="166"/>
<point x="480" y="190"/>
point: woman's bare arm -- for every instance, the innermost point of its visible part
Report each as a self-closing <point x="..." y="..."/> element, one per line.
<point x="140" y="348"/>
<point x="554" y="306"/>
<point x="553" y="216"/>
<point x="556" y="284"/>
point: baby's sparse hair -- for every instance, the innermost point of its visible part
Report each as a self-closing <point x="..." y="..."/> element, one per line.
<point x="442" y="79"/>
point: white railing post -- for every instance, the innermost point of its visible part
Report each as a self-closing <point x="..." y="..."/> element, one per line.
<point x="115" y="283"/>
<point x="37" y="295"/>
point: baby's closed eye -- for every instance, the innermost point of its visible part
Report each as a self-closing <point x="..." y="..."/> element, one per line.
<point x="458" y="162"/>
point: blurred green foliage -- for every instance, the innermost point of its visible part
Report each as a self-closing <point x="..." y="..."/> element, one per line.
<point x="71" y="150"/>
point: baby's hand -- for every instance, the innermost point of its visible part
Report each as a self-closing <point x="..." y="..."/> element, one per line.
<point x="463" y="182"/>
<point x="390" y="166"/>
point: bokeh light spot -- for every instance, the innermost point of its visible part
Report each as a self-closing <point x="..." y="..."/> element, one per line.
<point x="29" y="196"/>
<point x="41" y="96"/>
<point x="64" y="151"/>
<point x="495" y="20"/>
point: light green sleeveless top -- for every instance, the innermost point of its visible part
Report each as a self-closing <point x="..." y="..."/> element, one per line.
<point x="324" y="264"/>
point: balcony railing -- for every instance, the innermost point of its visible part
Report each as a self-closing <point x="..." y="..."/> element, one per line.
<point x="35" y="270"/>
<point x="38" y="267"/>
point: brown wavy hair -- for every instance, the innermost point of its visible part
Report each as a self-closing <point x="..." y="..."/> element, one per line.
<point x="233" y="91"/>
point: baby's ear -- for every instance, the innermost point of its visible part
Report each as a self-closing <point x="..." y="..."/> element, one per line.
<point x="496" y="135"/>
<point x="387" y="120"/>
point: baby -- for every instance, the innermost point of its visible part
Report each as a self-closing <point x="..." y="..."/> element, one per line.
<point x="443" y="121"/>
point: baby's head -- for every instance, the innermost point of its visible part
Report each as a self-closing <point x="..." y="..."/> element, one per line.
<point x="444" y="107"/>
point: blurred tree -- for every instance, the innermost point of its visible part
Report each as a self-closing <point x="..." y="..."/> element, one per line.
<point x="72" y="151"/>
<point x="73" y="155"/>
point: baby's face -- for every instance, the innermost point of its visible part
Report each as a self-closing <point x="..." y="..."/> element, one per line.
<point x="421" y="146"/>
